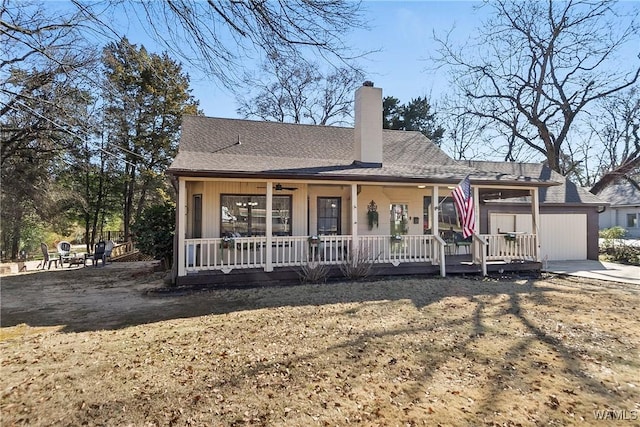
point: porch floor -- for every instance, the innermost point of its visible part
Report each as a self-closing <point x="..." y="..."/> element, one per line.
<point x="251" y="278"/>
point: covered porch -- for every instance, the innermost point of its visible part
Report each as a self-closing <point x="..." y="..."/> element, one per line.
<point x="270" y="225"/>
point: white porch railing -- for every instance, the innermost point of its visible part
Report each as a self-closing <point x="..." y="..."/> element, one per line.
<point x="222" y="254"/>
<point x="479" y="252"/>
<point x="386" y="249"/>
<point x="250" y="252"/>
<point x="511" y="246"/>
<point x="286" y="251"/>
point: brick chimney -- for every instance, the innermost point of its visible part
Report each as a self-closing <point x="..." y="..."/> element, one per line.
<point x="368" y="126"/>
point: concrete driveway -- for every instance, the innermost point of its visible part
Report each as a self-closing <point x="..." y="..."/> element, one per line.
<point x="599" y="270"/>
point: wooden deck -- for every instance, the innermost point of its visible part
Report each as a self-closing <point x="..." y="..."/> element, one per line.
<point x="250" y="278"/>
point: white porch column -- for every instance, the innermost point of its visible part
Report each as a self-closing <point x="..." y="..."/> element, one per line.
<point x="355" y="245"/>
<point x="535" y="212"/>
<point x="269" y="229"/>
<point x="435" y="230"/>
<point x="182" y="225"/>
<point x="476" y="208"/>
<point x="435" y="208"/>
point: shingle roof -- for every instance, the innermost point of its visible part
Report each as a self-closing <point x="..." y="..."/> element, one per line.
<point x="621" y="194"/>
<point x="246" y="148"/>
<point x="566" y="193"/>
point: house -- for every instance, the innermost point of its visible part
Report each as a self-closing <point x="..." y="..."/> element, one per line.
<point x="262" y="198"/>
<point x="624" y="209"/>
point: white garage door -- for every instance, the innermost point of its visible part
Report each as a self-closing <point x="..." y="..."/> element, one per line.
<point x="563" y="236"/>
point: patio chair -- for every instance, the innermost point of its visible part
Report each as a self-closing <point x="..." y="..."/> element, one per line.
<point x="461" y="242"/>
<point x="98" y="253"/>
<point x="48" y="258"/>
<point x="64" y="251"/>
<point x="449" y="237"/>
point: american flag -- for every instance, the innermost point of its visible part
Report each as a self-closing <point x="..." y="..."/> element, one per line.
<point x="464" y="205"/>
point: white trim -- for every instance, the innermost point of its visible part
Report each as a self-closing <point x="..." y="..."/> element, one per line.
<point x="354" y="220"/>
<point x="321" y="181"/>
<point x="182" y="225"/>
<point x="269" y="227"/>
<point x="535" y="208"/>
<point x="435" y="204"/>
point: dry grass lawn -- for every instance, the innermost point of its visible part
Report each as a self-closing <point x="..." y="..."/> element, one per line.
<point x="403" y="352"/>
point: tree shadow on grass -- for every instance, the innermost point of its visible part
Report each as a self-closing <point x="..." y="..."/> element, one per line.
<point x="451" y="320"/>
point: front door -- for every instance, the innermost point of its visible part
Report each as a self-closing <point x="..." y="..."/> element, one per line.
<point x="399" y="224"/>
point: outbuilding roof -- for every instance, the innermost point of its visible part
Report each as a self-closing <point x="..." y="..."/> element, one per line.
<point x="567" y="193"/>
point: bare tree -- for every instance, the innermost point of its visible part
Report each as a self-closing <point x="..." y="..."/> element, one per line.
<point x="216" y="36"/>
<point x="43" y="104"/>
<point x="38" y="74"/>
<point x="618" y="129"/>
<point x="290" y="89"/>
<point x="538" y="65"/>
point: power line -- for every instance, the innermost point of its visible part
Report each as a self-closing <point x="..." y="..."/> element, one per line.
<point x="66" y="128"/>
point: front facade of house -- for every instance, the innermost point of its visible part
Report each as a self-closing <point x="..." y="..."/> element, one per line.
<point x="263" y="197"/>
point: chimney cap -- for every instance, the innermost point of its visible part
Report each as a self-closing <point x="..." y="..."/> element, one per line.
<point x="368" y="83"/>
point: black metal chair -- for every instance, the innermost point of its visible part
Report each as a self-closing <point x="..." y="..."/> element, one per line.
<point x="98" y="253"/>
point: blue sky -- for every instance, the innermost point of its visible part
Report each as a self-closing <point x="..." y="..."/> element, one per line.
<point x="400" y="34"/>
<point x="400" y="37"/>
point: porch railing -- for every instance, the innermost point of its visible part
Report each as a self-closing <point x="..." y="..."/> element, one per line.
<point x="388" y="249"/>
<point x="511" y="246"/>
<point x="286" y="251"/>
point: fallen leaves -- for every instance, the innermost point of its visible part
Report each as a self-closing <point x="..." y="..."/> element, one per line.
<point x="410" y="352"/>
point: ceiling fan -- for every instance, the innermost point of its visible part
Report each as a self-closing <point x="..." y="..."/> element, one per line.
<point x="280" y="187"/>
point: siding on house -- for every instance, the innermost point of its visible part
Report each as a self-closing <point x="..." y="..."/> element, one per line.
<point x="624" y="201"/>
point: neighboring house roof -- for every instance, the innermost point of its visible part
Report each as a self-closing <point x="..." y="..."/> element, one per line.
<point x="255" y="149"/>
<point x="621" y="194"/>
<point x="567" y="193"/>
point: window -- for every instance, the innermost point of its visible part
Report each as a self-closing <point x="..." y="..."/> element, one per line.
<point x="447" y="215"/>
<point x="197" y="216"/>
<point x="632" y="220"/>
<point x="245" y="215"/>
<point x="329" y="215"/>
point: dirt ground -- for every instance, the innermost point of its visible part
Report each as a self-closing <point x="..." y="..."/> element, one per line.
<point x="93" y="346"/>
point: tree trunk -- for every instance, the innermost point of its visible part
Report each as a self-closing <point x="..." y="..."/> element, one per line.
<point x="129" y="191"/>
